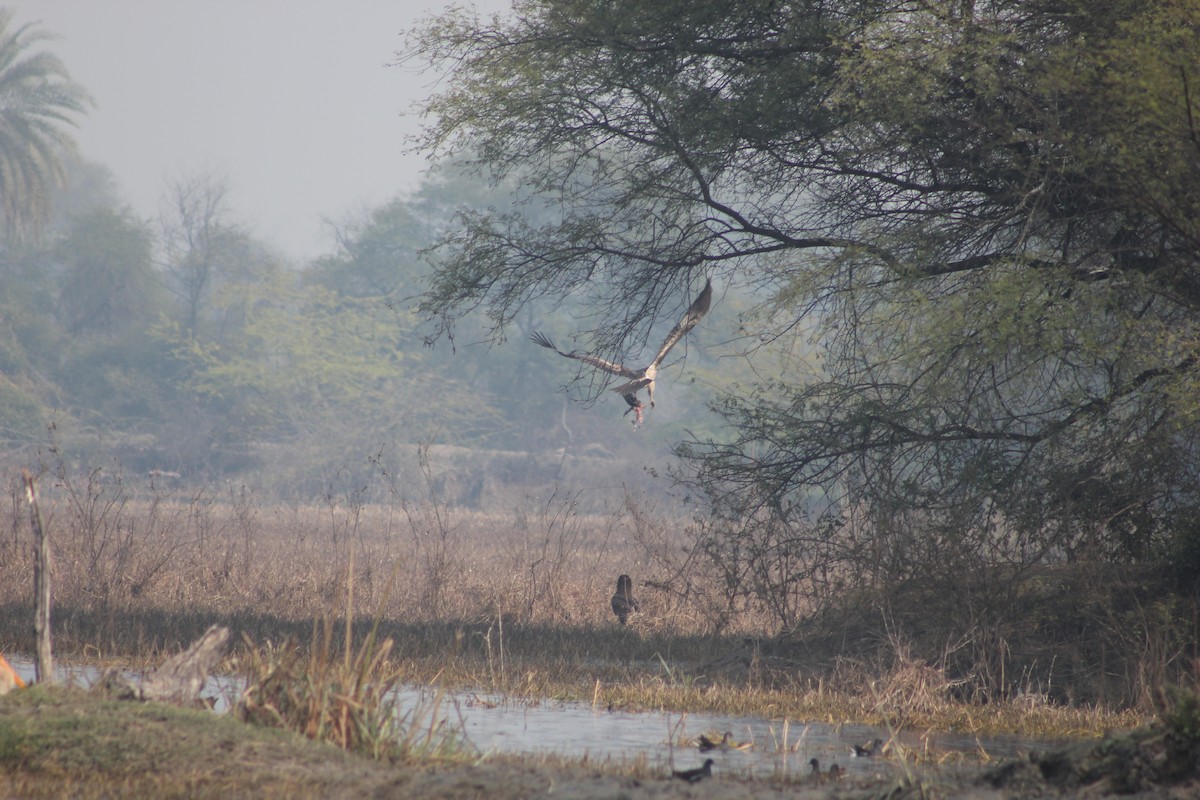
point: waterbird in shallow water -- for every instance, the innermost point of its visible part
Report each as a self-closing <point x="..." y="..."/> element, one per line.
<point x="835" y="772"/>
<point x="695" y="775"/>
<point x="725" y="743"/>
<point x="871" y="748"/>
<point x="640" y="378"/>
<point x="623" y="602"/>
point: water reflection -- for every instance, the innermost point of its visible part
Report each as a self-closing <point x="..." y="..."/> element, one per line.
<point x="495" y="724"/>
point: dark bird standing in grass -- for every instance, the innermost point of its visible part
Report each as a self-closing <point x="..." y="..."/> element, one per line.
<point x="695" y="775"/>
<point x="641" y="378"/>
<point x="623" y="602"/>
<point x="867" y="750"/>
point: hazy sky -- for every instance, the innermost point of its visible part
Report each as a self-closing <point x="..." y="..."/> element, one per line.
<point x="292" y="100"/>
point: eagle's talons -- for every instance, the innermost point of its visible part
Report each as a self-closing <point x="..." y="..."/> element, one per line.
<point x="635" y="405"/>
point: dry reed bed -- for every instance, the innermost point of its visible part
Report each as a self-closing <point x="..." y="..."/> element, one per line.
<point x="227" y="555"/>
<point x="513" y="602"/>
<point x="137" y="572"/>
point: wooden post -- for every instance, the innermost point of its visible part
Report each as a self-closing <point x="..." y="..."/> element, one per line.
<point x="44" y="668"/>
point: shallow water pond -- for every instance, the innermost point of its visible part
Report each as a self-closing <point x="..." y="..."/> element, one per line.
<point x="780" y="747"/>
<point x="497" y="724"/>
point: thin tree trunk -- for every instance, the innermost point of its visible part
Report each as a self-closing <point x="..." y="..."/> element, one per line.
<point x="44" y="668"/>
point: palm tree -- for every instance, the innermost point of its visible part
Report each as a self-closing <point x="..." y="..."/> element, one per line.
<point x="37" y="97"/>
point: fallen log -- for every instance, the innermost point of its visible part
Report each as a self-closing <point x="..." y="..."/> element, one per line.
<point x="177" y="680"/>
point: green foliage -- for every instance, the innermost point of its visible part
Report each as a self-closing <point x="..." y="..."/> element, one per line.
<point x="1132" y="116"/>
<point x="305" y="348"/>
<point x="205" y="254"/>
<point x="983" y="215"/>
<point x="379" y="257"/>
<point x="351" y="701"/>
<point x="1182" y="722"/>
<point x="109" y="285"/>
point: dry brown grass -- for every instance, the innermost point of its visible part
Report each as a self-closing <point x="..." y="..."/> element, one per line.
<point x="121" y="549"/>
<point x="513" y="602"/>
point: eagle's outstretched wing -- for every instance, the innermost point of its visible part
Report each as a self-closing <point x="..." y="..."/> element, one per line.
<point x="695" y="312"/>
<point x="608" y="366"/>
<point x="641" y="378"/>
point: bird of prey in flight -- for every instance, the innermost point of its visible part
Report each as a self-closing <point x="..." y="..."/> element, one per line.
<point x="641" y="378"/>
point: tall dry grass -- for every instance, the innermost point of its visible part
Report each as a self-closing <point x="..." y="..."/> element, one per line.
<point x="139" y="567"/>
<point x="516" y="601"/>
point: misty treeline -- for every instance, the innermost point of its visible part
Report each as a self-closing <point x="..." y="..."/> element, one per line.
<point x="185" y="347"/>
<point x="183" y="344"/>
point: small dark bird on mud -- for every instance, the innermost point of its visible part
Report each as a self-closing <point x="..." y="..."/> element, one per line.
<point x="872" y="748"/>
<point x="836" y="772"/>
<point x="695" y="775"/>
<point x="623" y="602"/>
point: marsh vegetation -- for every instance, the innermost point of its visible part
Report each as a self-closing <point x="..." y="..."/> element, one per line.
<point x="519" y="604"/>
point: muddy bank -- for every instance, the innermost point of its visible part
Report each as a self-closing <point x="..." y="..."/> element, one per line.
<point x="1160" y="761"/>
<point x="67" y="743"/>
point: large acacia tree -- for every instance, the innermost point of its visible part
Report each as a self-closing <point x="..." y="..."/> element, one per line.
<point x="986" y="214"/>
